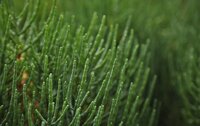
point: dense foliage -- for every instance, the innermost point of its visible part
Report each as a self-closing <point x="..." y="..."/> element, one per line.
<point x="96" y="62"/>
<point x="57" y="73"/>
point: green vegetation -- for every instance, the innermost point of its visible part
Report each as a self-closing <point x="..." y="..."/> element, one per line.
<point x="99" y="62"/>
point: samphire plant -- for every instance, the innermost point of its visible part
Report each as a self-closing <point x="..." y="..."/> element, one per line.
<point x="54" y="72"/>
<point x="173" y="27"/>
